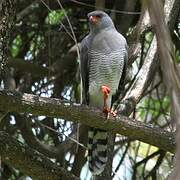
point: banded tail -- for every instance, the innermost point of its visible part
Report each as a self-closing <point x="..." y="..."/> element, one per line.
<point x="97" y="150"/>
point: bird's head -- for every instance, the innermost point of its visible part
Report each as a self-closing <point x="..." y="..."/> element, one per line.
<point x="99" y="20"/>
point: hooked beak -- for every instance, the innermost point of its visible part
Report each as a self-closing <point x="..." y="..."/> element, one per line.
<point x="93" y="19"/>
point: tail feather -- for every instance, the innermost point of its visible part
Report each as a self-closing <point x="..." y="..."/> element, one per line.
<point x="97" y="150"/>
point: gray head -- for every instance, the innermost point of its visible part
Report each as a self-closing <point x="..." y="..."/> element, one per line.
<point x="99" y="20"/>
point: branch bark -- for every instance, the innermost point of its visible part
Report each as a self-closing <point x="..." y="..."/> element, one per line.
<point x="7" y="12"/>
<point x="29" y="161"/>
<point x="171" y="75"/>
<point x="142" y="81"/>
<point x="28" y="103"/>
<point x="26" y="131"/>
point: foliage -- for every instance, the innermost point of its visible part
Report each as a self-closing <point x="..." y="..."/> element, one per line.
<point x="40" y="40"/>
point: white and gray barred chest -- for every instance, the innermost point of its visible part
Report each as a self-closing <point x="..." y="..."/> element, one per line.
<point x="105" y="69"/>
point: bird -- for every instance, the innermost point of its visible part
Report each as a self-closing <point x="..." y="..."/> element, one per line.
<point x="103" y="60"/>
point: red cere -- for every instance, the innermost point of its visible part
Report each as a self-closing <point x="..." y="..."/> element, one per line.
<point x="93" y="19"/>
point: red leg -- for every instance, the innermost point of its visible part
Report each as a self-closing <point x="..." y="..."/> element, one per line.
<point x="106" y="91"/>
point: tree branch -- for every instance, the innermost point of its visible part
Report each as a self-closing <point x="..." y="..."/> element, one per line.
<point x="16" y="102"/>
<point x="148" y="68"/>
<point x="29" y="161"/>
<point x="169" y="67"/>
<point x="26" y="131"/>
<point x="7" y="12"/>
<point x="142" y="81"/>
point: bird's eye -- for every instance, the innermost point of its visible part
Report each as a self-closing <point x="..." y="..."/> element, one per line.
<point x="98" y="16"/>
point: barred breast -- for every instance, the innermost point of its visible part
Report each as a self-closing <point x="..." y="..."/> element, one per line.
<point x="104" y="69"/>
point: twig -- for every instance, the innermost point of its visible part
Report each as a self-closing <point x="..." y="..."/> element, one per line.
<point x="30" y="162"/>
<point x="106" y="9"/>
<point x="46" y="6"/>
<point x="158" y="163"/>
<point x="70" y="138"/>
<point x="70" y="25"/>
<point x="60" y="21"/>
<point x="122" y="159"/>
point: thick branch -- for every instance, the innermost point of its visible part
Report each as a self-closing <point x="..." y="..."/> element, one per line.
<point x="148" y="69"/>
<point x="142" y="81"/>
<point x="7" y="12"/>
<point x="15" y="102"/>
<point x="26" y="131"/>
<point x="171" y="75"/>
<point x="29" y="161"/>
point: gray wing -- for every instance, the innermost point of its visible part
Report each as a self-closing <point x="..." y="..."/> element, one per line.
<point x="123" y="76"/>
<point x="121" y="44"/>
<point x="84" y="64"/>
<point x="117" y="41"/>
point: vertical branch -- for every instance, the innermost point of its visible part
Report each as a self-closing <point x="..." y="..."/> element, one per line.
<point x="7" y="12"/>
<point x="80" y="160"/>
<point x="169" y="67"/>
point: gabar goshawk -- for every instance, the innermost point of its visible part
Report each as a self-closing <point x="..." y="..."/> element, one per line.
<point x="103" y="54"/>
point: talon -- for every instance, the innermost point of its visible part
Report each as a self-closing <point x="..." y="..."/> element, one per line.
<point x="106" y="110"/>
<point x="106" y="91"/>
<point x="113" y="113"/>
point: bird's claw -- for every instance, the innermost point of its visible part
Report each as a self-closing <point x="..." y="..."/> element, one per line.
<point x="108" y="112"/>
<point x="113" y="113"/>
<point x="106" y="91"/>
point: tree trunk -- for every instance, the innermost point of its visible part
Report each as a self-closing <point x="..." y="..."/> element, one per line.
<point x="7" y="14"/>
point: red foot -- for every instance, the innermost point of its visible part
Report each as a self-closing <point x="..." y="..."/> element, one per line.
<point x="106" y="110"/>
<point x="113" y="113"/>
<point x="106" y="91"/>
